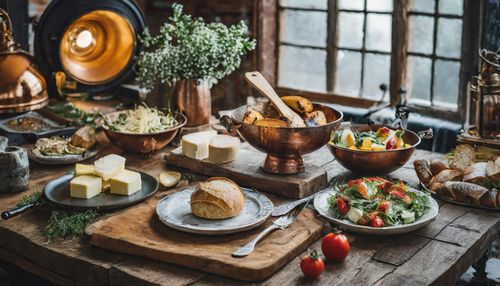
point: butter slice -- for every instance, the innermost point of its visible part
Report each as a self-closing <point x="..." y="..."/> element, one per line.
<point x="223" y="149"/>
<point x="109" y="166"/>
<point x="126" y="183"/>
<point x="85" y="187"/>
<point x="82" y="169"/>
<point x="195" y="145"/>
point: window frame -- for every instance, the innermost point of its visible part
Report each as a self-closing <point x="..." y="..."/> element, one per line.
<point x="268" y="15"/>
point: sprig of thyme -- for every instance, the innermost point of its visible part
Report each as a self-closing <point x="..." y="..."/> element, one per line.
<point x="30" y="199"/>
<point x="64" y="224"/>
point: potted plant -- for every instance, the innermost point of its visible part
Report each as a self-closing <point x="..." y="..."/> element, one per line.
<point x="187" y="56"/>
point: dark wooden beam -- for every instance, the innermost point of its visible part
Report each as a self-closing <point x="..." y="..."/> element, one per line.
<point x="399" y="46"/>
<point x="267" y="39"/>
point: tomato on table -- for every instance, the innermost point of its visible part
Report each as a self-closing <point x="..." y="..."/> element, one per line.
<point x="312" y="265"/>
<point x="335" y="246"/>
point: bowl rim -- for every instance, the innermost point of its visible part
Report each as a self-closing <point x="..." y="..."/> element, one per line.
<point x="333" y="145"/>
<point x="291" y="128"/>
<point x="180" y="125"/>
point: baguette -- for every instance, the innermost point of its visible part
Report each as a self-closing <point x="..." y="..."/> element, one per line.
<point x="466" y="192"/>
<point x="438" y="166"/>
<point x="476" y="174"/>
<point x="464" y="156"/>
<point x="490" y="199"/>
<point x="447" y="175"/>
<point x="423" y="171"/>
<point x="493" y="170"/>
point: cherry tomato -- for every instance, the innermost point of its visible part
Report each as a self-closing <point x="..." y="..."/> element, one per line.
<point x="342" y="205"/>
<point x="377" y="221"/>
<point x="384" y="206"/>
<point x="391" y="144"/>
<point x="402" y="196"/>
<point x="335" y="246"/>
<point x="312" y="265"/>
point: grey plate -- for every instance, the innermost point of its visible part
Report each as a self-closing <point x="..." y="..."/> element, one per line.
<point x="455" y="202"/>
<point x="53" y="127"/>
<point x="64" y="159"/>
<point x="322" y="206"/>
<point x="57" y="194"/>
<point x="175" y="211"/>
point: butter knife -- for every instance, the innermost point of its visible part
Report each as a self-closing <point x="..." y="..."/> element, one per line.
<point x="287" y="207"/>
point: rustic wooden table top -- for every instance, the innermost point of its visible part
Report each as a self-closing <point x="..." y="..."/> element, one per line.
<point x="437" y="254"/>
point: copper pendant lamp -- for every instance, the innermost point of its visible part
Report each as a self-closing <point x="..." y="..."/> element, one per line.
<point x="89" y="45"/>
<point x="22" y="86"/>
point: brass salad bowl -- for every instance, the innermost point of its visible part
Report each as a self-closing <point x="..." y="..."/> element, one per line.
<point x="284" y="145"/>
<point x="377" y="162"/>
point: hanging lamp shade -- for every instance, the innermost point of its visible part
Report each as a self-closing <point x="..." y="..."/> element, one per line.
<point x="92" y="44"/>
<point x="22" y="85"/>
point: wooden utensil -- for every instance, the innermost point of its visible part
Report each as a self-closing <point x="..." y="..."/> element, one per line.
<point x="262" y="85"/>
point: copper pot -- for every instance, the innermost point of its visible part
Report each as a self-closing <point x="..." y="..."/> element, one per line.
<point x="377" y="162"/>
<point x="143" y="143"/>
<point x="284" y="146"/>
<point x="192" y="98"/>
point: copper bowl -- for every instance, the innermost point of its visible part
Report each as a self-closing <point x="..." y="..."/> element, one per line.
<point x="286" y="145"/>
<point x="377" y="162"/>
<point x="143" y="143"/>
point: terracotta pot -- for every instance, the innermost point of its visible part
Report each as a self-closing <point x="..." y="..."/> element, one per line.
<point x="192" y="98"/>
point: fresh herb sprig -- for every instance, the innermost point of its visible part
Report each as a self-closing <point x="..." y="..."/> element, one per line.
<point x="63" y="224"/>
<point x="30" y="199"/>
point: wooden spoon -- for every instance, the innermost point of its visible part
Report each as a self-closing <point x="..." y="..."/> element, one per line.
<point x="262" y="85"/>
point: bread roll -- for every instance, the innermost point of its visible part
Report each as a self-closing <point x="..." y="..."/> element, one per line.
<point x="464" y="156"/>
<point x="438" y="166"/>
<point x="489" y="199"/>
<point x="217" y="198"/>
<point x="476" y="174"/>
<point x="466" y="192"/>
<point x="423" y="171"/>
<point x="447" y="175"/>
<point x="493" y="170"/>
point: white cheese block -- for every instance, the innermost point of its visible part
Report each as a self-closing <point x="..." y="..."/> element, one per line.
<point x="354" y="214"/>
<point x="85" y="187"/>
<point x="82" y="169"/>
<point x="195" y="145"/>
<point x="223" y="149"/>
<point x="126" y="183"/>
<point x="109" y="166"/>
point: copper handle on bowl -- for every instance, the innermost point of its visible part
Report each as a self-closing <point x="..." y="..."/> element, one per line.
<point x="229" y="124"/>
<point x="426" y="134"/>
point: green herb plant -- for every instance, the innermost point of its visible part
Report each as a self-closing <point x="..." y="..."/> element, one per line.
<point x="189" y="48"/>
<point x="63" y="224"/>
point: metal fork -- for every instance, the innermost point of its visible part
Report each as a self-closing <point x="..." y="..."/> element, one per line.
<point x="279" y="223"/>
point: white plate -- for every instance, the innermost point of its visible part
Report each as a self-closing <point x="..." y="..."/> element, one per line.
<point x="174" y="210"/>
<point x="321" y="205"/>
<point x="64" y="159"/>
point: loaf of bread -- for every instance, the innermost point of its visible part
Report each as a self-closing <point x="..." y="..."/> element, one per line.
<point x="423" y="171"/>
<point x="437" y="166"/>
<point x="464" y="156"/>
<point x="476" y="173"/>
<point x="217" y="198"/>
<point x="493" y="170"/>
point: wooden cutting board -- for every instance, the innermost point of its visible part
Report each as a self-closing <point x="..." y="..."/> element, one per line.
<point x="138" y="231"/>
<point x="246" y="171"/>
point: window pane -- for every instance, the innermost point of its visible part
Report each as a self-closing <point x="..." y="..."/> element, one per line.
<point x="421" y="34"/>
<point x="309" y="4"/>
<point x="419" y="79"/>
<point x="379" y="5"/>
<point x="446" y="83"/>
<point x="422" y="5"/>
<point x="449" y="37"/>
<point x="302" y="68"/>
<point x="294" y="31"/>
<point x="348" y="73"/>
<point x="352" y="4"/>
<point x="376" y="72"/>
<point x="378" y="32"/>
<point x="455" y="7"/>
<point x="350" y="30"/>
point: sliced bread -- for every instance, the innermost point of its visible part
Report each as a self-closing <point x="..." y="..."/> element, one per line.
<point x="464" y="156"/>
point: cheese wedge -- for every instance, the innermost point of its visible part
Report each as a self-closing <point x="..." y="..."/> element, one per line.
<point x="195" y="145"/>
<point x="126" y="183"/>
<point x="109" y="166"/>
<point x="85" y="187"/>
<point x="223" y="149"/>
<point x="82" y="169"/>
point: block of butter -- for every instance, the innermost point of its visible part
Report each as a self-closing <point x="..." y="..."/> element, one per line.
<point x="109" y="166"/>
<point x="85" y="187"/>
<point x="223" y="149"/>
<point x="195" y="145"/>
<point x="126" y="183"/>
<point x="82" y="169"/>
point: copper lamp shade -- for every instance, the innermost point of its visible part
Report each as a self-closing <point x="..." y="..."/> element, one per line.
<point x="22" y="86"/>
<point x="93" y="44"/>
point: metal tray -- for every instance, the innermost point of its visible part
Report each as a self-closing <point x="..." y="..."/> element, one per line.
<point x="175" y="211"/>
<point x="53" y="128"/>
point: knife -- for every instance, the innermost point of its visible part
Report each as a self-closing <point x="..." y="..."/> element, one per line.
<point x="287" y="207"/>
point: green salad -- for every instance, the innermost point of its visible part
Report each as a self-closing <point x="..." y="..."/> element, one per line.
<point x="377" y="202"/>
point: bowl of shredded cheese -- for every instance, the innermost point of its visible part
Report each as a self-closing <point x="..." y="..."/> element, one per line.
<point x="143" y="129"/>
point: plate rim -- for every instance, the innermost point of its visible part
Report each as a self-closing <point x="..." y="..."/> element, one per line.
<point x="211" y="231"/>
<point x="387" y="230"/>
<point x="54" y="160"/>
<point x="66" y="177"/>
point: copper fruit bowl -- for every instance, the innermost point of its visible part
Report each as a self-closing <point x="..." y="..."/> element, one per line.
<point x="377" y="162"/>
<point x="286" y="145"/>
<point x="142" y="143"/>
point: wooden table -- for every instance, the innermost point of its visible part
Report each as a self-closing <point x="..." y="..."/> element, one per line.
<point x="437" y="254"/>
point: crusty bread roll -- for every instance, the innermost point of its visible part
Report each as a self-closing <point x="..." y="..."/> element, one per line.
<point x="423" y="171"/>
<point x="217" y="198"/>
<point x="476" y="173"/>
<point x="438" y="166"/>
<point x="464" y="156"/>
